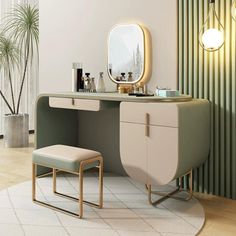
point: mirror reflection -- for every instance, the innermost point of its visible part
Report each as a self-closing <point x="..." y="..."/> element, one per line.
<point x="126" y="53"/>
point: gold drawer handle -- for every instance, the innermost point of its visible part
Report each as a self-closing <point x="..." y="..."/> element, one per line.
<point x="147" y="123"/>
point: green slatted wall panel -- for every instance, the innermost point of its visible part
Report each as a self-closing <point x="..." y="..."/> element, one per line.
<point x="211" y="76"/>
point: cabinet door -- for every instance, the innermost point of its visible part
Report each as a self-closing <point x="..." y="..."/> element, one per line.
<point x="162" y="149"/>
<point x="133" y="150"/>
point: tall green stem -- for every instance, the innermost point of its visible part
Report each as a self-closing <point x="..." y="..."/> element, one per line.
<point x="11" y="86"/>
<point x="5" y="100"/>
<point x="24" y="74"/>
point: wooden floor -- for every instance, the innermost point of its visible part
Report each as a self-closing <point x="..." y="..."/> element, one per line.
<point x="15" y="164"/>
<point x="15" y="167"/>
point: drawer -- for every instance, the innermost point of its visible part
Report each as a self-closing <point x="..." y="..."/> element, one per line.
<point x="76" y="104"/>
<point x="160" y="114"/>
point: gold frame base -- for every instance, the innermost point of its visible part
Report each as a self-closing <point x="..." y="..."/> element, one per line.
<point x="171" y="194"/>
<point x="79" y="200"/>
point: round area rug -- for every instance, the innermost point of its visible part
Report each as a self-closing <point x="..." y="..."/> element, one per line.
<point x="126" y="210"/>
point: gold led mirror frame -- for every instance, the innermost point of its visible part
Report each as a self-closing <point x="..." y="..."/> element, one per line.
<point x="129" y="54"/>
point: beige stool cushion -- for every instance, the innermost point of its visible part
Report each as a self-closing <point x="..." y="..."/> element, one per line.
<point x="63" y="157"/>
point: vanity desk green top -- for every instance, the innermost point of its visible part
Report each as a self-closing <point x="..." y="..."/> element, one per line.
<point x="153" y="139"/>
<point x="112" y="96"/>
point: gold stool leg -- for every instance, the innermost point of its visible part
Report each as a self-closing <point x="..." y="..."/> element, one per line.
<point x="34" y="166"/>
<point x="78" y="200"/>
<point x="101" y="183"/>
<point x="81" y="188"/>
<point x="54" y="176"/>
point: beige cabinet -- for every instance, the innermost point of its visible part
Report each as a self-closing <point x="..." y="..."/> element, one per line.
<point x="134" y="149"/>
<point x="162" y="154"/>
<point x="162" y="141"/>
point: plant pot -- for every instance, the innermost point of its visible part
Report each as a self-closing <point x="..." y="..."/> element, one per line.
<point x="16" y="130"/>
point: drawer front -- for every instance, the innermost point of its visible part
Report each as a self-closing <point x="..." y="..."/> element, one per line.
<point x="160" y="114"/>
<point x="76" y="104"/>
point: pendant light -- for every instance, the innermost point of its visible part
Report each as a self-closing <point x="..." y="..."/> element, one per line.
<point x="233" y="10"/>
<point x="211" y="35"/>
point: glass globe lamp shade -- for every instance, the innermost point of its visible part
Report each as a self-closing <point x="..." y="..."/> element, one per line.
<point x="212" y="39"/>
<point x="211" y="35"/>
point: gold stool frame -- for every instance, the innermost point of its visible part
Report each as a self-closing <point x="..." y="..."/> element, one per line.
<point x="80" y="200"/>
<point x="180" y="188"/>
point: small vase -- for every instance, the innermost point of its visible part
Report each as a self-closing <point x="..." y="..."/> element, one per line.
<point x="16" y="130"/>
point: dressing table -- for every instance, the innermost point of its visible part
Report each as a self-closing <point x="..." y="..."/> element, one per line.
<point x="117" y="126"/>
<point x="152" y="139"/>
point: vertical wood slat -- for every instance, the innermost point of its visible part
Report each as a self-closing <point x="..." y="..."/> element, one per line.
<point x="233" y="116"/>
<point x="216" y="135"/>
<point x="206" y="95"/>
<point x="211" y="76"/>
<point x="222" y="106"/>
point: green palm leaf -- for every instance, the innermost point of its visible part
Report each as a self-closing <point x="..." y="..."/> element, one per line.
<point x="9" y="53"/>
<point x="22" y="26"/>
<point x="9" y="58"/>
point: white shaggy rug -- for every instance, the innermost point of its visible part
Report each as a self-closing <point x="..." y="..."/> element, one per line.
<point x="126" y="210"/>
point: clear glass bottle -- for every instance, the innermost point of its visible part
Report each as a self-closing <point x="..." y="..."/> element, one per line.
<point x="130" y="76"/>
<point x="101" y="84"/>
<point x="93" y="86"/>
<point x="141" y="88"/>
<point x="87" y="82"/>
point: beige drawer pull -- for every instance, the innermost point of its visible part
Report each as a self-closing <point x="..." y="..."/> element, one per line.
<point x="147" y="123"/>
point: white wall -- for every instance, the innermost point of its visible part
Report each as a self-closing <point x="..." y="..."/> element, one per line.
<point x="77" y="30"/>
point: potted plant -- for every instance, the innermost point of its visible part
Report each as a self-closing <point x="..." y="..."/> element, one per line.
<point x="18" y="43"/>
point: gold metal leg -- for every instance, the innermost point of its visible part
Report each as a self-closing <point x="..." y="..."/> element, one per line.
<point x="81" y="182"/>
<point x="170" y="194"/>
<point x="34" y="166"/>
<point x="101" y="184"/>
<point x="165" y="196"/>
<point x="54" y="177"/>
<point x="47" y="174"/>
<point x="190" y="186"/>
<point x="80" y="199"/>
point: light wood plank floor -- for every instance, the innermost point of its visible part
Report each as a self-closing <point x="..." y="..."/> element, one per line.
<point x="15" y="167"/>
<point x="15" y="164"/>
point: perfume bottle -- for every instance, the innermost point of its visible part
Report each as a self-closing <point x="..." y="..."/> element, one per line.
<point x="122" y="78"/>
<point x="141" y="87"/>
<point x="93" y="86"/>
<point x="130" y="76"/>
<point x="87" y="82"/>
<point x="101" y="84"/>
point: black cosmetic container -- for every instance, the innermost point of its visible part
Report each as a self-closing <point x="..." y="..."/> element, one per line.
<point x="77" y="77"/>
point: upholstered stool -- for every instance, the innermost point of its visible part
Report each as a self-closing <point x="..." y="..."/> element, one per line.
<point x="72" y="160"/>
